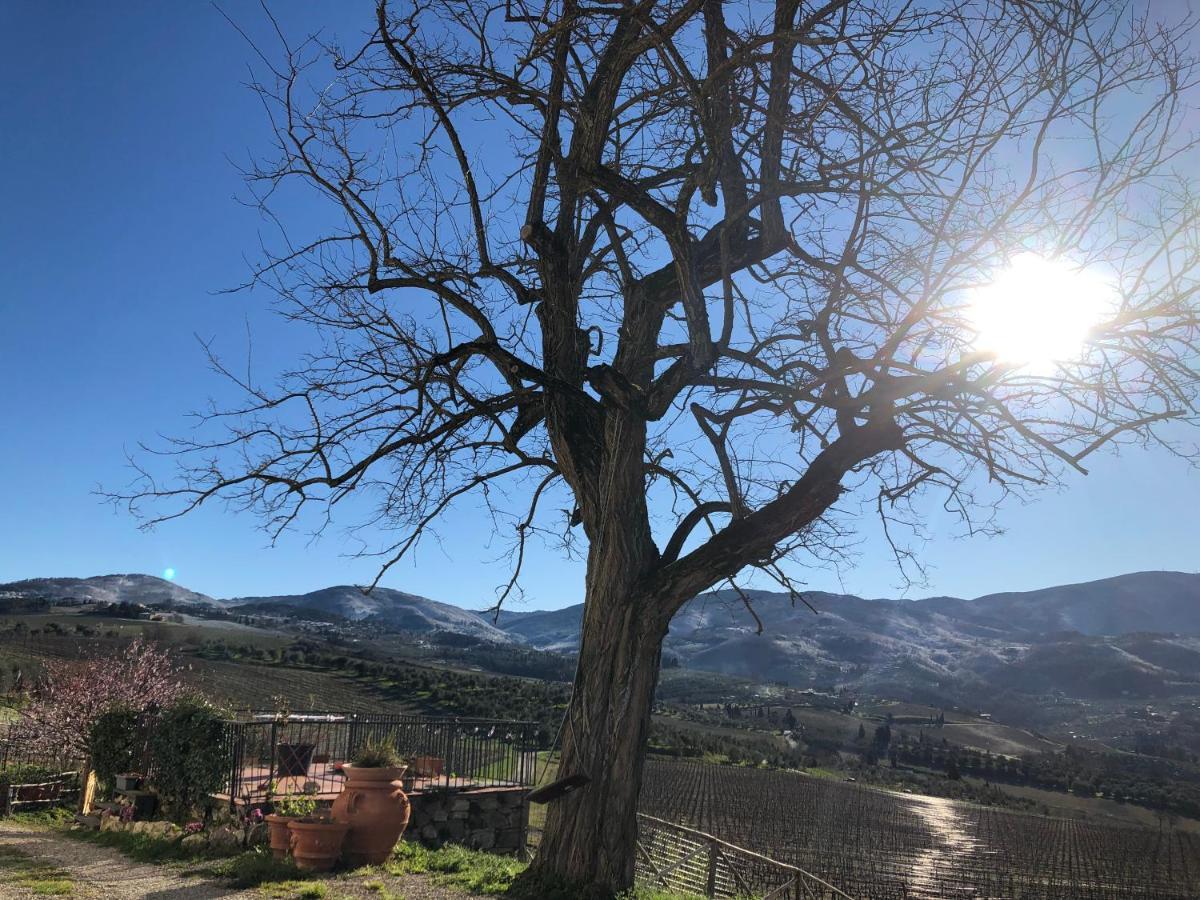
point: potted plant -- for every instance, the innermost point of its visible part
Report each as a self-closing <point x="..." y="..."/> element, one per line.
<point x="316" y="841"/>
<point x="373" y="804"/>
<point x="287" y="808"/>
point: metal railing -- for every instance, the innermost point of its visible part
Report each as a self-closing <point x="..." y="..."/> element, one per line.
<point x="270" y="754"/>
<point x="682" y="859"/>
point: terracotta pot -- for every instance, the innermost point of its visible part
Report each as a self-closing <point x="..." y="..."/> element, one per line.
<point x="375" y="808"/>
<point x="428" y="766"/>
<point x="316" y="843"/>
<point x="277" y="830"/>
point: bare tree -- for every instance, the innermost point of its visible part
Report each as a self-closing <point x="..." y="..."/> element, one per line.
<point x="703" y="268"/>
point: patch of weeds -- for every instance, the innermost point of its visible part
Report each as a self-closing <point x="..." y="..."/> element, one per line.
<point x="380" y="890"/>
<point x="475" y="870"/>
<point x="140" y="847"/>
<point x="645" y="893"/>
<point x="43" y="819"/>
<point x="258" y="867"/>
<point x="36" y="875"/>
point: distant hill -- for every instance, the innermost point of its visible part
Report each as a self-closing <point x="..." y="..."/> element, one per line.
<point x="546" y="629"/>
<point x="146" y="589"/>
<point x="1134" y="636"/>
<point x="397" y="609"/>
<point x="1145" y="601"/>
<point x="1109" y="638"/>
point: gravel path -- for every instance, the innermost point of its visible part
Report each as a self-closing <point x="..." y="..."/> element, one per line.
<point x="101" y="872"/>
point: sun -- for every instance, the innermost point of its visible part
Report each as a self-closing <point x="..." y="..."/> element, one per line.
<point x="1037" y="312"/>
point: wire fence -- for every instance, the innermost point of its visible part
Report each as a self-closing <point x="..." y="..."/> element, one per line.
<point x="271" y="755"/>
<point x="18" y="750"/>
<point x="683" y="859"/>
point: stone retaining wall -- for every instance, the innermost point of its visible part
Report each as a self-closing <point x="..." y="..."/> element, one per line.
<point x="492" y="819"/>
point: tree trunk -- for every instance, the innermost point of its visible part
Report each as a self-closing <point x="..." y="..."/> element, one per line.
<point x="591" y="833"/>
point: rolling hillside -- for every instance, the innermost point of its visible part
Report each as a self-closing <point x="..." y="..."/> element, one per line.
<point x="1134" y="636"/>
<point x="393" y="608"/>
<point x="145" y="589"/>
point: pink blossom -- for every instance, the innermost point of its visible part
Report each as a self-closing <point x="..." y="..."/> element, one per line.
<point x="74" y="693"/>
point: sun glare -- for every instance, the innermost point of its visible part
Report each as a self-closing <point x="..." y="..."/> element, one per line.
<point x="1039" y="311"/>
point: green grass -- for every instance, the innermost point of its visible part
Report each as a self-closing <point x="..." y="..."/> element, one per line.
<point x="474" y="870"/>
<point x="295" y="889"/>
<point x="35" y="875"/>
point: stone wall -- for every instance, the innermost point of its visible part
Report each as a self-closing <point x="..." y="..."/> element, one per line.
<point x="492" y="819"/>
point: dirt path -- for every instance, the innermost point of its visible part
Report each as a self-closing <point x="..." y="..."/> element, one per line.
<point x="40" y="863"/>
<point x="94" y="871"/>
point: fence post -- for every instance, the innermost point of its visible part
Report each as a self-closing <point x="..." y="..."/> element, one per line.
<point x="710" y="886"/>
<point x="274" y="751"/>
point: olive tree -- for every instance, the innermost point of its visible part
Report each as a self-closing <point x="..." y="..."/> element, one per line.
<point x="705" y="269"/>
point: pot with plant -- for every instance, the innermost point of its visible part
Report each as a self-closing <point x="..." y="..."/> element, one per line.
<point x="287" y="808"/>
<point x="373" y="803"/>
<point x="316" y="841"/>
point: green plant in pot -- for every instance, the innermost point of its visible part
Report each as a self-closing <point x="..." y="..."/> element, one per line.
<point x="373" y="803"/>
<point x="316" y="841"/>
<point x="287" y="808"/>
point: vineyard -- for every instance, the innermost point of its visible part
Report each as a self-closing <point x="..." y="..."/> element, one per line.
<point x="879" y="846"/>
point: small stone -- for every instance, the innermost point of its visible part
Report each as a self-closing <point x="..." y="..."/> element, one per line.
<point x="152" y="829"/>
<point x="194" y="843"/>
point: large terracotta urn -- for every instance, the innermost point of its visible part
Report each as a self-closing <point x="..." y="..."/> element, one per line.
<point x="376" y="809"/>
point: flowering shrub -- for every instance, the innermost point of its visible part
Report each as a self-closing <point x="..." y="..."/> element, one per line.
<point x="193" y="828"/>
<point x="73" y="695"/>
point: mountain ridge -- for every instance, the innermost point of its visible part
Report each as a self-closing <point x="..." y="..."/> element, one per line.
<point x="1135" y="635"/>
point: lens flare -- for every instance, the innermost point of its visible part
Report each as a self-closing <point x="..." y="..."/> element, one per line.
<point x="1038" y="311"/>
<point x="169" y="573"/>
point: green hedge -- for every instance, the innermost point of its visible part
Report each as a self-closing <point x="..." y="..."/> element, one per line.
<point x="187" y="755"/>
<point x="117" y="743"/>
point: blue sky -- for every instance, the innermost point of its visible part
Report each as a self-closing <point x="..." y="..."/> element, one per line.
<point x="118" y="223"/>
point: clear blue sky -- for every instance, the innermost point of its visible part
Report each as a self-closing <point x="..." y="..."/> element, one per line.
<point x="117" y="224"/>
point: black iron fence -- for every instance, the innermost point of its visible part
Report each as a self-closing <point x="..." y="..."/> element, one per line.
<point x="271" y="755"/>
